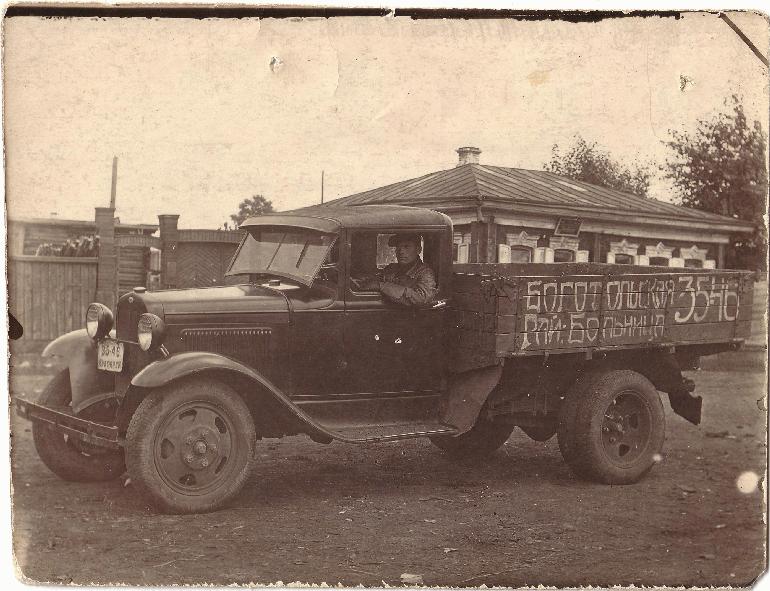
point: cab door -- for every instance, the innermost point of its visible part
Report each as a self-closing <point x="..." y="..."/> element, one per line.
<point x="389" y="347"/>
<point x="377" y="340"/>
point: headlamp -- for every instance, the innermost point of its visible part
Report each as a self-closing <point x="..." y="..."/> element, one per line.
<point x="151" y="332"/>
<point x="99" y="321"/>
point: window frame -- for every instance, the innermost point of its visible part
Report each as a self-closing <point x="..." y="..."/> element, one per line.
<point x="435" y="234"/>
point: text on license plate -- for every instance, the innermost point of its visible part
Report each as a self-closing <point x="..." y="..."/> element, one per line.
<point x="110" y="355"/>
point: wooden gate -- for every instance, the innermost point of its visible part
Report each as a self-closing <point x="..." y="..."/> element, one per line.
<point x="202" y="256"/>
<point x="133" y="260"/>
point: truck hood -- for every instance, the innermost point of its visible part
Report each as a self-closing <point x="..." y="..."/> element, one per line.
<point x="216" y="300"/>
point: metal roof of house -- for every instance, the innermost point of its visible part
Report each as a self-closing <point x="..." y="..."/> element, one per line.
<point x="509" y="187"/>
<point x="329" y="218"/>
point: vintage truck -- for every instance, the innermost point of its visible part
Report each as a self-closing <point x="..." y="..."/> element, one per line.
<point x="178" y="386"/>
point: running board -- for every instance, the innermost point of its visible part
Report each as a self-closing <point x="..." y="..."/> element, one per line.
<point x="369" y="434"/>
<point x="108" y="436"/>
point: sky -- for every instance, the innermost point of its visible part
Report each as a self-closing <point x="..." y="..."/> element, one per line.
<point x="205" y="113"/>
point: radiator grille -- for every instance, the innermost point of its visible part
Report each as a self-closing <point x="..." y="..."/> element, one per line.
<point x="249" y="345"/>
<point x="134" y="360"/>
<point x="127" y="320"/>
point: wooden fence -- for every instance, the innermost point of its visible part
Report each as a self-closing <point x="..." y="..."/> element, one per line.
<point x="49" y="295"/>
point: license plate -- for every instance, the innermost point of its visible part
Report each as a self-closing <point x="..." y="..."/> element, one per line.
<point x="110" y="355"/>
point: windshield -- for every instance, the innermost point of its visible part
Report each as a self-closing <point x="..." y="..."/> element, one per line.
<point x="295" y="253"/>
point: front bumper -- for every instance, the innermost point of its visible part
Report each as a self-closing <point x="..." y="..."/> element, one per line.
<point x="87" y="431"/>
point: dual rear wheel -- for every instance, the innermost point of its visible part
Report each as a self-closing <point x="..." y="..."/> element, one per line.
<point x="611" y="429"/>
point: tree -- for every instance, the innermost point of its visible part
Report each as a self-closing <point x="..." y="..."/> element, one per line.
<point x="256" y="205"/>
<point x="720" y="168"/>
<point x="589" y="163"/>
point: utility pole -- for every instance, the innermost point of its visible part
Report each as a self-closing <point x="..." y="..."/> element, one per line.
<point x="113" y="192"/>
<point x="113" y="248"/>
<point x="322" y="187"/>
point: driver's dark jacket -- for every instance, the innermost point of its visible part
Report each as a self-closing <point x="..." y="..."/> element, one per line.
<point x="414" y="285"/>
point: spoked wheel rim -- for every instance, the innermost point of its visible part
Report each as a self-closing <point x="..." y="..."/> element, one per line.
<point x="194" y="448"/>
<point x="626" y="429"/>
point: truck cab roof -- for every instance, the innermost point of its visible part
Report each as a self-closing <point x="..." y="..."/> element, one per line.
<point x="331" y="218"/>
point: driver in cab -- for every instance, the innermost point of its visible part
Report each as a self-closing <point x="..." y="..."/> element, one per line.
<point x="409" y="281"/>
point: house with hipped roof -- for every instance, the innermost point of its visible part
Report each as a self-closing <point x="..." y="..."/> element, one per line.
<point x="503" y="214"/>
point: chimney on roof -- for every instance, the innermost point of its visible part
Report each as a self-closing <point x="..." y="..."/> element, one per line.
<point x="468" y="155"/>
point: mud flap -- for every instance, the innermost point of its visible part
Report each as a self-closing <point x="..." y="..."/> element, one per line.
<point x="467" y="393"/>
<point x="686" y="405"/>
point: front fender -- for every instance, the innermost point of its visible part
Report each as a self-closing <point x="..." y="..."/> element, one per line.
<point x="161" y="372"/>
<point x="71" y="344"/>
<point x="78" y="351"/>
<point x="164" y="371"/>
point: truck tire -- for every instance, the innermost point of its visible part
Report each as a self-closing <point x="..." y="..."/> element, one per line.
<point x="484" y="438"/>
<point x="190" y="446"/>
<point x="612" y="427"/>
<point x="65" y="457"/>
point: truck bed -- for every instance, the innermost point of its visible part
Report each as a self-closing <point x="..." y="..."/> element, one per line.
<point x="511" y="310"/>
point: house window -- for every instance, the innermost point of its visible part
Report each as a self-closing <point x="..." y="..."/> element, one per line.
<point x="521" y="254"/>
<point x="660" y="254"/>
<point x="564" y="248"/>
<point x="461" y="243"/>
<point x="624" y="259"/>
<point x="623" y="252"/>
<point x="521" y="246"/>
<point x="694" y="257"/>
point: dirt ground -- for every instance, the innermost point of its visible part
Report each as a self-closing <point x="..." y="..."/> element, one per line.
<point x="364" y="515"/>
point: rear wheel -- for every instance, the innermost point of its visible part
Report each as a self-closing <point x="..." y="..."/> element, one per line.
<point x="64" y="456"/>
<point x="190" y="446"/>
<point x="483" y="439"/>
<point x="612" y="427"/>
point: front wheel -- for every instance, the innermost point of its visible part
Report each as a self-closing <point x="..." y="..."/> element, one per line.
<point x="190" y="446"/>
<point x="66" y="457"/>
<point x="612" y="427"/>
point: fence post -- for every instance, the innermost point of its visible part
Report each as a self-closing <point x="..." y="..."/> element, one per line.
<point x="107" y="265"/>
<point x="169" y="236"/>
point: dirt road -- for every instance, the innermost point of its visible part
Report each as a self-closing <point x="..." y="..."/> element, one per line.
<point x="367" y="514"/>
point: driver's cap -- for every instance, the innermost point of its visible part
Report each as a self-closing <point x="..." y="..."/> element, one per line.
<point x="397" y="239"/>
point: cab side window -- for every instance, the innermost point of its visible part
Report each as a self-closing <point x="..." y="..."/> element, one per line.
<point x="369" y="255"/>
<point x="372" y="252"/>
<point x="363" y="256"/>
